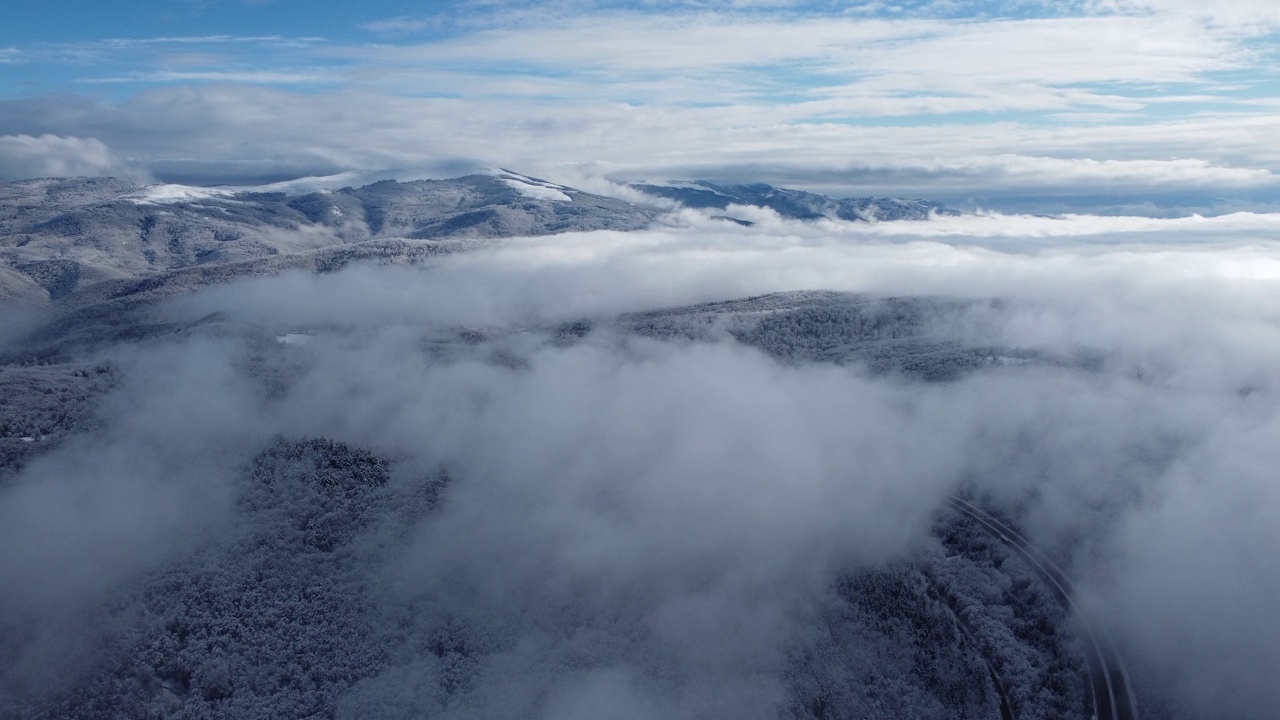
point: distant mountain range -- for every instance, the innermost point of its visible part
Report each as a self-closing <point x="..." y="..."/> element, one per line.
<point x="59" y="236"/>
<point x="793" y="204"/>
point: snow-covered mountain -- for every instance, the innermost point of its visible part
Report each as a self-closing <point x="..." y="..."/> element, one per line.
<point x="793" y="204"/>
<point x="59" y="235"/>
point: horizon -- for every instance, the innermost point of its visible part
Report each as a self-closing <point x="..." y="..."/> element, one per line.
<point x="1166" y="105"/>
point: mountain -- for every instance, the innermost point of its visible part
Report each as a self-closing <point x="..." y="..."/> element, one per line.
<point x="65" y="237"/>
<point x="60" y="235"/>
<point x="906" y="336"/>
<point x="793" y="204"/>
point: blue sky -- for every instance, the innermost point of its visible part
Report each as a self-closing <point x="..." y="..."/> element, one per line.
<point x="942" y="97"/>
<point x="82" y="20"/>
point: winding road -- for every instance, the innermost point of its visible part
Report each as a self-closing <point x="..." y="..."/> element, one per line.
<point x="1112" y="693"/>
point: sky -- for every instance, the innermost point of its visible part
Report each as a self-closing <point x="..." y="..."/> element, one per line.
<point x="1123" y="105"/>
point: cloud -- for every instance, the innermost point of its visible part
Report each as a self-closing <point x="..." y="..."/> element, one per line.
<point x="717" y="57"/>
<point x="257" y="77"/>
<point x="1180" y="304"/>
<point x="667" y="512"/>
<point x="903" y="57"/>
<point x="26" y="156"/>
<point x="1200" y="539"/>
<point x="229" y="134"/>
<point x="1016" y="174"/>
<point x="965" y="100"/>
<point x="398" y="26"/>
<point x="107" y="508"/>
<point x="623" y="476"/>
<point x="1250" y="15"/>
<point x="10" y="55"/>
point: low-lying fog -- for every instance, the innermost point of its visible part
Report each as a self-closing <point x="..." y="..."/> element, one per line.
<point x="669" y="509"/>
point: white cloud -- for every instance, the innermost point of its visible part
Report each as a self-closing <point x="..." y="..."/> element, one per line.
<point x="1249" y="15"/>
<point x="234" y="134"/>
<point x="906" y="56"/>
<point x="667" y="512"/>
<point x="807" y="68"/>
<point x="256" y="77"/>
<point x="26" y="156"/>
<point x="695" y="438"/>
<point x="1075" y="174"/>
<point x="398" y="26"/>
<point x="1113" y="101"/>
<point x="667" y="56"/>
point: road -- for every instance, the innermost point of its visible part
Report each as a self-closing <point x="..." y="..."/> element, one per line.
<point x="1112" y="693"/>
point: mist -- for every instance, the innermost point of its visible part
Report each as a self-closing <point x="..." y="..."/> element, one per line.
<point x="641" y="527"/>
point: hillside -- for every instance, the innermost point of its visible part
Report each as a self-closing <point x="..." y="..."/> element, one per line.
<point x="58" y="236"/>
<point x="793" y="204"/>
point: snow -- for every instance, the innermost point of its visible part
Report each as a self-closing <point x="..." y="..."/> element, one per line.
<point x="689" y="185"/>
<point x="533" y="187"/>
<point x="159" y="194"/>
<point x="538" y="191"/>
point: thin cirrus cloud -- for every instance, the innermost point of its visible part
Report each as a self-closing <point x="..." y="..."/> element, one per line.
<point x="1247" y="15"/>
<point x="1165" y="50"/>
<point x="872" y="67"/>
<point x="397" y="26"/>
<point x="257" y="77"/>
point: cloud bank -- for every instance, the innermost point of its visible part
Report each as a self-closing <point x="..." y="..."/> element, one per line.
<point x="26" y="156"/>
<point x="653" y="521"/>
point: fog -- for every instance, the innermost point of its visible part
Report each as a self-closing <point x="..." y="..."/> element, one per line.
<point x="638" y="527"/>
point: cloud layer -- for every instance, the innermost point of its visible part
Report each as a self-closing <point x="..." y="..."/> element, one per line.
<point x="669" y="511"/>
<point x="25" y="156"/>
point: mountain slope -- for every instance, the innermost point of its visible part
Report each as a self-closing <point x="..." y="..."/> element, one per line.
<point x="793" y="204"/>
<point x="58" y="236"/>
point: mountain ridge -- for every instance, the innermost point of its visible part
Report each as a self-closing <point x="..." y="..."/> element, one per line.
<point x="60" y="237"/>
<point x="793" y="204"/>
